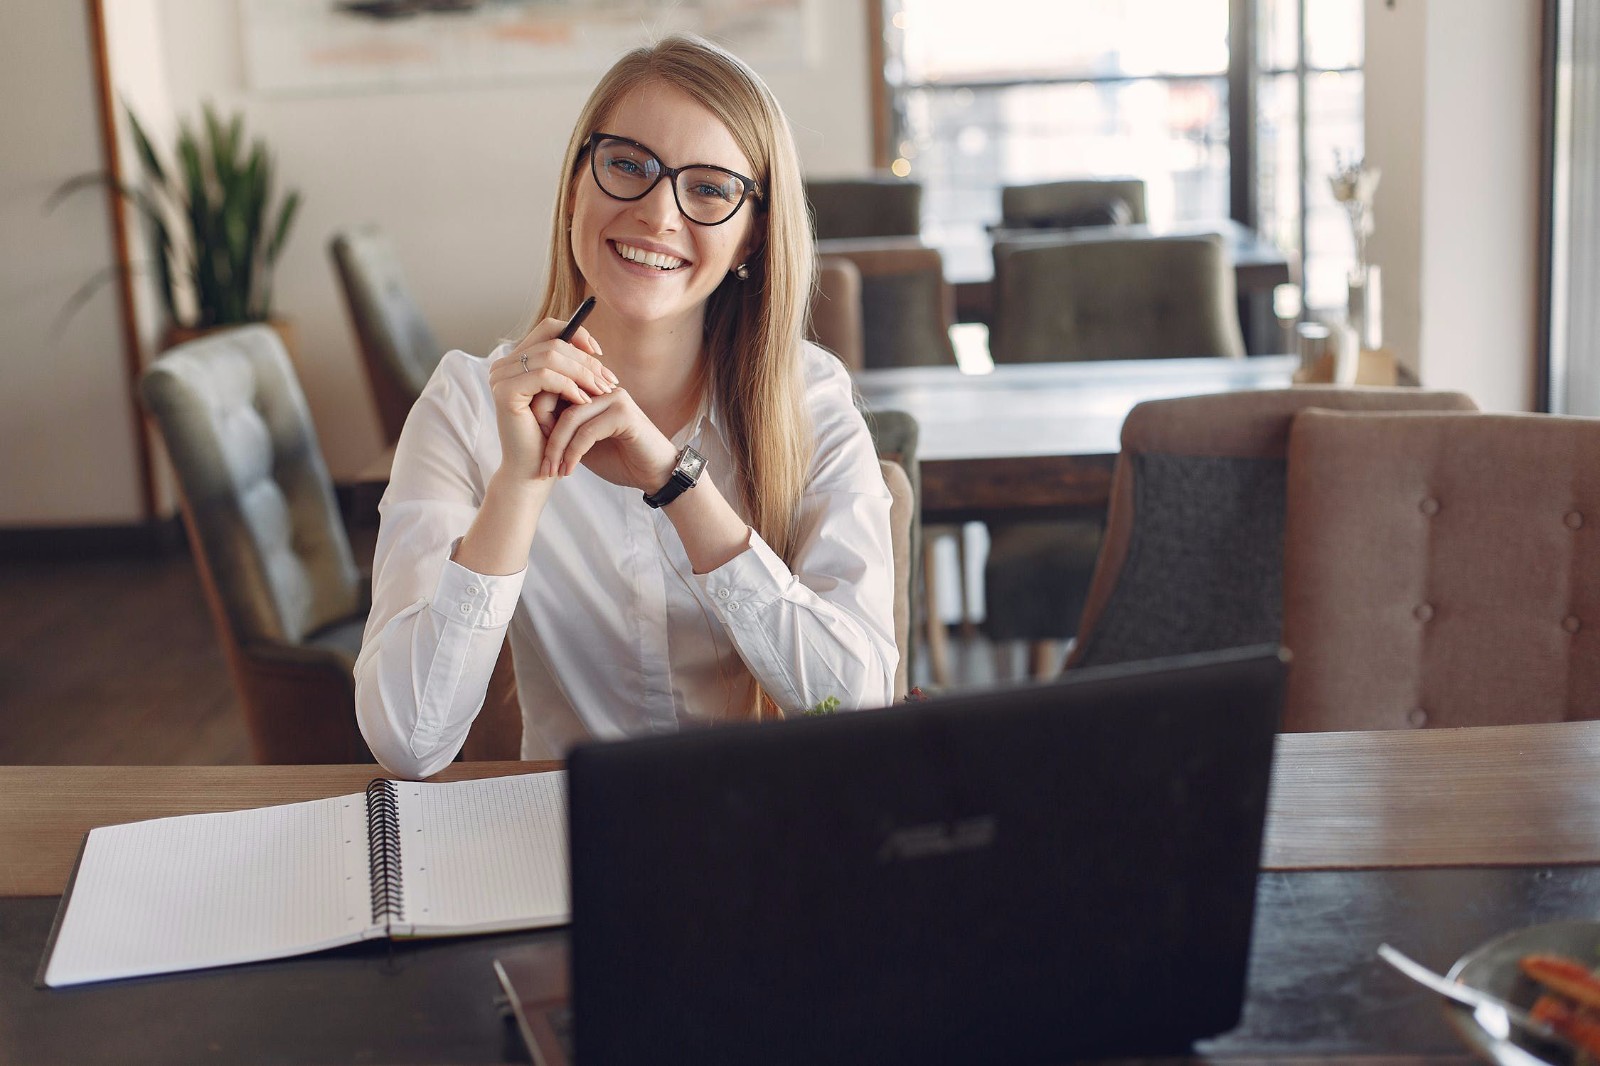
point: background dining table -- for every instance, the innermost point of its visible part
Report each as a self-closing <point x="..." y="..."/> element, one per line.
<point x="1038" y="440"/>
<point x="1433" y="840"/>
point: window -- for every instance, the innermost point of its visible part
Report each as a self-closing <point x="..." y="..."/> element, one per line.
<point x="1037" y="90"/>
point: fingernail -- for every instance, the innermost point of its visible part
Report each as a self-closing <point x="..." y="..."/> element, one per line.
<point x="613" y="378"/>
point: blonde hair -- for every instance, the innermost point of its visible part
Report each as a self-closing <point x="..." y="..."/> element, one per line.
<point x="753" y="328"/>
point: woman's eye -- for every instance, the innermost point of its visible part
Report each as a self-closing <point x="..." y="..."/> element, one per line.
<point x="627" y="167"/>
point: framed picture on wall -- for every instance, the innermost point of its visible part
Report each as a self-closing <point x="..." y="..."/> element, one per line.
<point x="312" y="46"/>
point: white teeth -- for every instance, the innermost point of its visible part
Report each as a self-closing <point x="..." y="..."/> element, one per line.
<point x="639" y="255"/>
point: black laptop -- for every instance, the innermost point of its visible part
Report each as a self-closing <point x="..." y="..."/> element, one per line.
<point x="1025" y="875"/>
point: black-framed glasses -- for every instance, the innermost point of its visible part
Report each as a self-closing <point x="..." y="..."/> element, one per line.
<point x="706" y="195"/>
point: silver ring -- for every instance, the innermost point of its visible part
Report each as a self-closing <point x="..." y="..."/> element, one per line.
<point x="524" y="362"/>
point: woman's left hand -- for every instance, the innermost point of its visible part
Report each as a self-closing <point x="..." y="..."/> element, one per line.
<point x="615" y="439"/>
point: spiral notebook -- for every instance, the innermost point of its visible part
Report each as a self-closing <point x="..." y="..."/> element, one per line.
<point x="404" y="859"/>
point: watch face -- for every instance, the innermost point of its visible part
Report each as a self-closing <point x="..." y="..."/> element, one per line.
<point x="691" y="463"/>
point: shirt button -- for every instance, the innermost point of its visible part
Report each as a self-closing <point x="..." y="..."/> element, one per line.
<point x="465" y="608"/>
<point x="1429" y="506"/>
<point x="1574" y="520"/>
<point x="733" y="606"/>
<point x="1424" y="612"/>
<point x="1417" y="717"/>
<point x="473" y="590"/>
<point x="1571" y="624"/>
<point x="722" y="594"/>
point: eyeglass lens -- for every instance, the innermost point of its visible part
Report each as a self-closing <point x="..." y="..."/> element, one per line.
<point x="707" y="195"/>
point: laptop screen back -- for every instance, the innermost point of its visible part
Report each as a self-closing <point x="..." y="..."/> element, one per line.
<point x="1021" y="875"/>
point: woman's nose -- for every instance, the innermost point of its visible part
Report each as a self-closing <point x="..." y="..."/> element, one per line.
<point x="658" y="208"/>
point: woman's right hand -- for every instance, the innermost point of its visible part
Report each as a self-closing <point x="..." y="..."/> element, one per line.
<point x="530" y="383"/>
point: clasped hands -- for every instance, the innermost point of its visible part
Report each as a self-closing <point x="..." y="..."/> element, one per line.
<point x="567" y="408"/>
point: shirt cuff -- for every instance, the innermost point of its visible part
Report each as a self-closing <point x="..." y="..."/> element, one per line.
<point x="745" y="584"/>
<point x="482" y="601"/>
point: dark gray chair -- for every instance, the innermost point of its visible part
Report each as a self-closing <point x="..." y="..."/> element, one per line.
<point x="1194" y="544"/>
<point x="1063" y="298"/>
<point x="274" y="559"/>
<point x="1078" y="202"/>
<point x="398" y="349"/>
<point x="864" y="207"/>
<point x="1067" y="299"/>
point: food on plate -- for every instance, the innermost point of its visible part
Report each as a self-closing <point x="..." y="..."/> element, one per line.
<point x="1571" y="1004"/>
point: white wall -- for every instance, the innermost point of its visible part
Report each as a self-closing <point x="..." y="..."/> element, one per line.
<point x="1452" y="117"/>
<point x="462" y="178"/>
<point x="1480" y="212"/>
<point x="66" y="422"/>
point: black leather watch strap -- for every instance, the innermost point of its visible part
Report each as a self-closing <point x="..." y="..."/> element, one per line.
<point x="684" y="476"/>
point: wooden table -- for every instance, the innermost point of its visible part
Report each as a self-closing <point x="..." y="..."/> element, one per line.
<point x="1439" y="837"/>
<point x="1038" y="440"/>
<point x="1488" y="796"/>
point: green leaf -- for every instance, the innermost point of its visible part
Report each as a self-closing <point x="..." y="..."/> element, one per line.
<point x="147" y="153"/>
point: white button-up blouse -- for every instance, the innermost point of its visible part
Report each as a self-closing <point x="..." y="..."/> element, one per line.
<point x="611" y="632"/>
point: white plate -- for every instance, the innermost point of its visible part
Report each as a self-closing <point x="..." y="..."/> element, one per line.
<point x="1494" y="969"/>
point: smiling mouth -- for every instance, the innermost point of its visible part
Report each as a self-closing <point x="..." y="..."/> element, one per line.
<point x="651" y="259"/>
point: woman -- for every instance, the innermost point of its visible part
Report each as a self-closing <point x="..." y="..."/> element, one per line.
<point x="549" y="492"/>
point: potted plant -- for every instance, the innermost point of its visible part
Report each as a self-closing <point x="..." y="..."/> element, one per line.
<point x="214" y="232"/>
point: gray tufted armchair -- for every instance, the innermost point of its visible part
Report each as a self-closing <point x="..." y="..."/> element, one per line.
<point x="279" y="576"/>
<point x="398" y="348"/>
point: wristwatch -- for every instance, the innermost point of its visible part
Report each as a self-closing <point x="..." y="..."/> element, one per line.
<point x="684" y="475"/>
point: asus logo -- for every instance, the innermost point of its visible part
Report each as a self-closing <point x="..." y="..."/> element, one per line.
<point x="937" y="838"/>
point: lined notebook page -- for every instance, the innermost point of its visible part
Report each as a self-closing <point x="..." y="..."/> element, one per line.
<point x="213" y="889"/>
<point x="484" y="855"/>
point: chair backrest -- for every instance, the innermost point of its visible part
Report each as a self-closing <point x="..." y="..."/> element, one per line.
<point x="894" y="436"/>
<point x="901" y="511"/>
<point x="1192" y="558"/>
<point x="1442" y="570"/>
<point x="274" y="561"/>
<point x="398" y="349"/>
<point x="865" y="207"/>
<point x="907" y="306"/>
<point x="836" y="321"/>
<point x="1064" y="298"/>
<point x="254" y="484"/>
<point x="1080" y="202"/>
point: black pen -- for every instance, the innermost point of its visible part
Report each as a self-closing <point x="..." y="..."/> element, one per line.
<point x="570" y="330"/>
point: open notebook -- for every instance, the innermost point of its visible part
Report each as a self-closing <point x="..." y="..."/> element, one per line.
<point x="405" y="859"/>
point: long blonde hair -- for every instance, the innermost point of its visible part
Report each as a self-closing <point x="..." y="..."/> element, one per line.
<point x="753" y="328"/>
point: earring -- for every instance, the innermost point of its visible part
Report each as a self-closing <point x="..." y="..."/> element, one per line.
<point x="742" y="271"/>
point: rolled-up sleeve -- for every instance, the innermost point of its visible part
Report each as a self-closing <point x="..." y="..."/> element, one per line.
<point x="435" y="628"/>
<point x="823" y="627"/>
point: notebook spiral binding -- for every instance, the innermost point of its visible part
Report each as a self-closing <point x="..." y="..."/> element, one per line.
<point x="383" y="851"/>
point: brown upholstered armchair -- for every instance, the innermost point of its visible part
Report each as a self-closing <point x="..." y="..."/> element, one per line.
<point x="397" y="347"/>
<point x="1193" y="558"/>
<point x="865" y="207"/>
<point x="1079" y="202"/>
<point x="1441" y="570"/>
<point x="836" y="321"/>
<point x="907" y="306"/>
<point x="902" y="512"/>
<point x="279" y="576"/>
